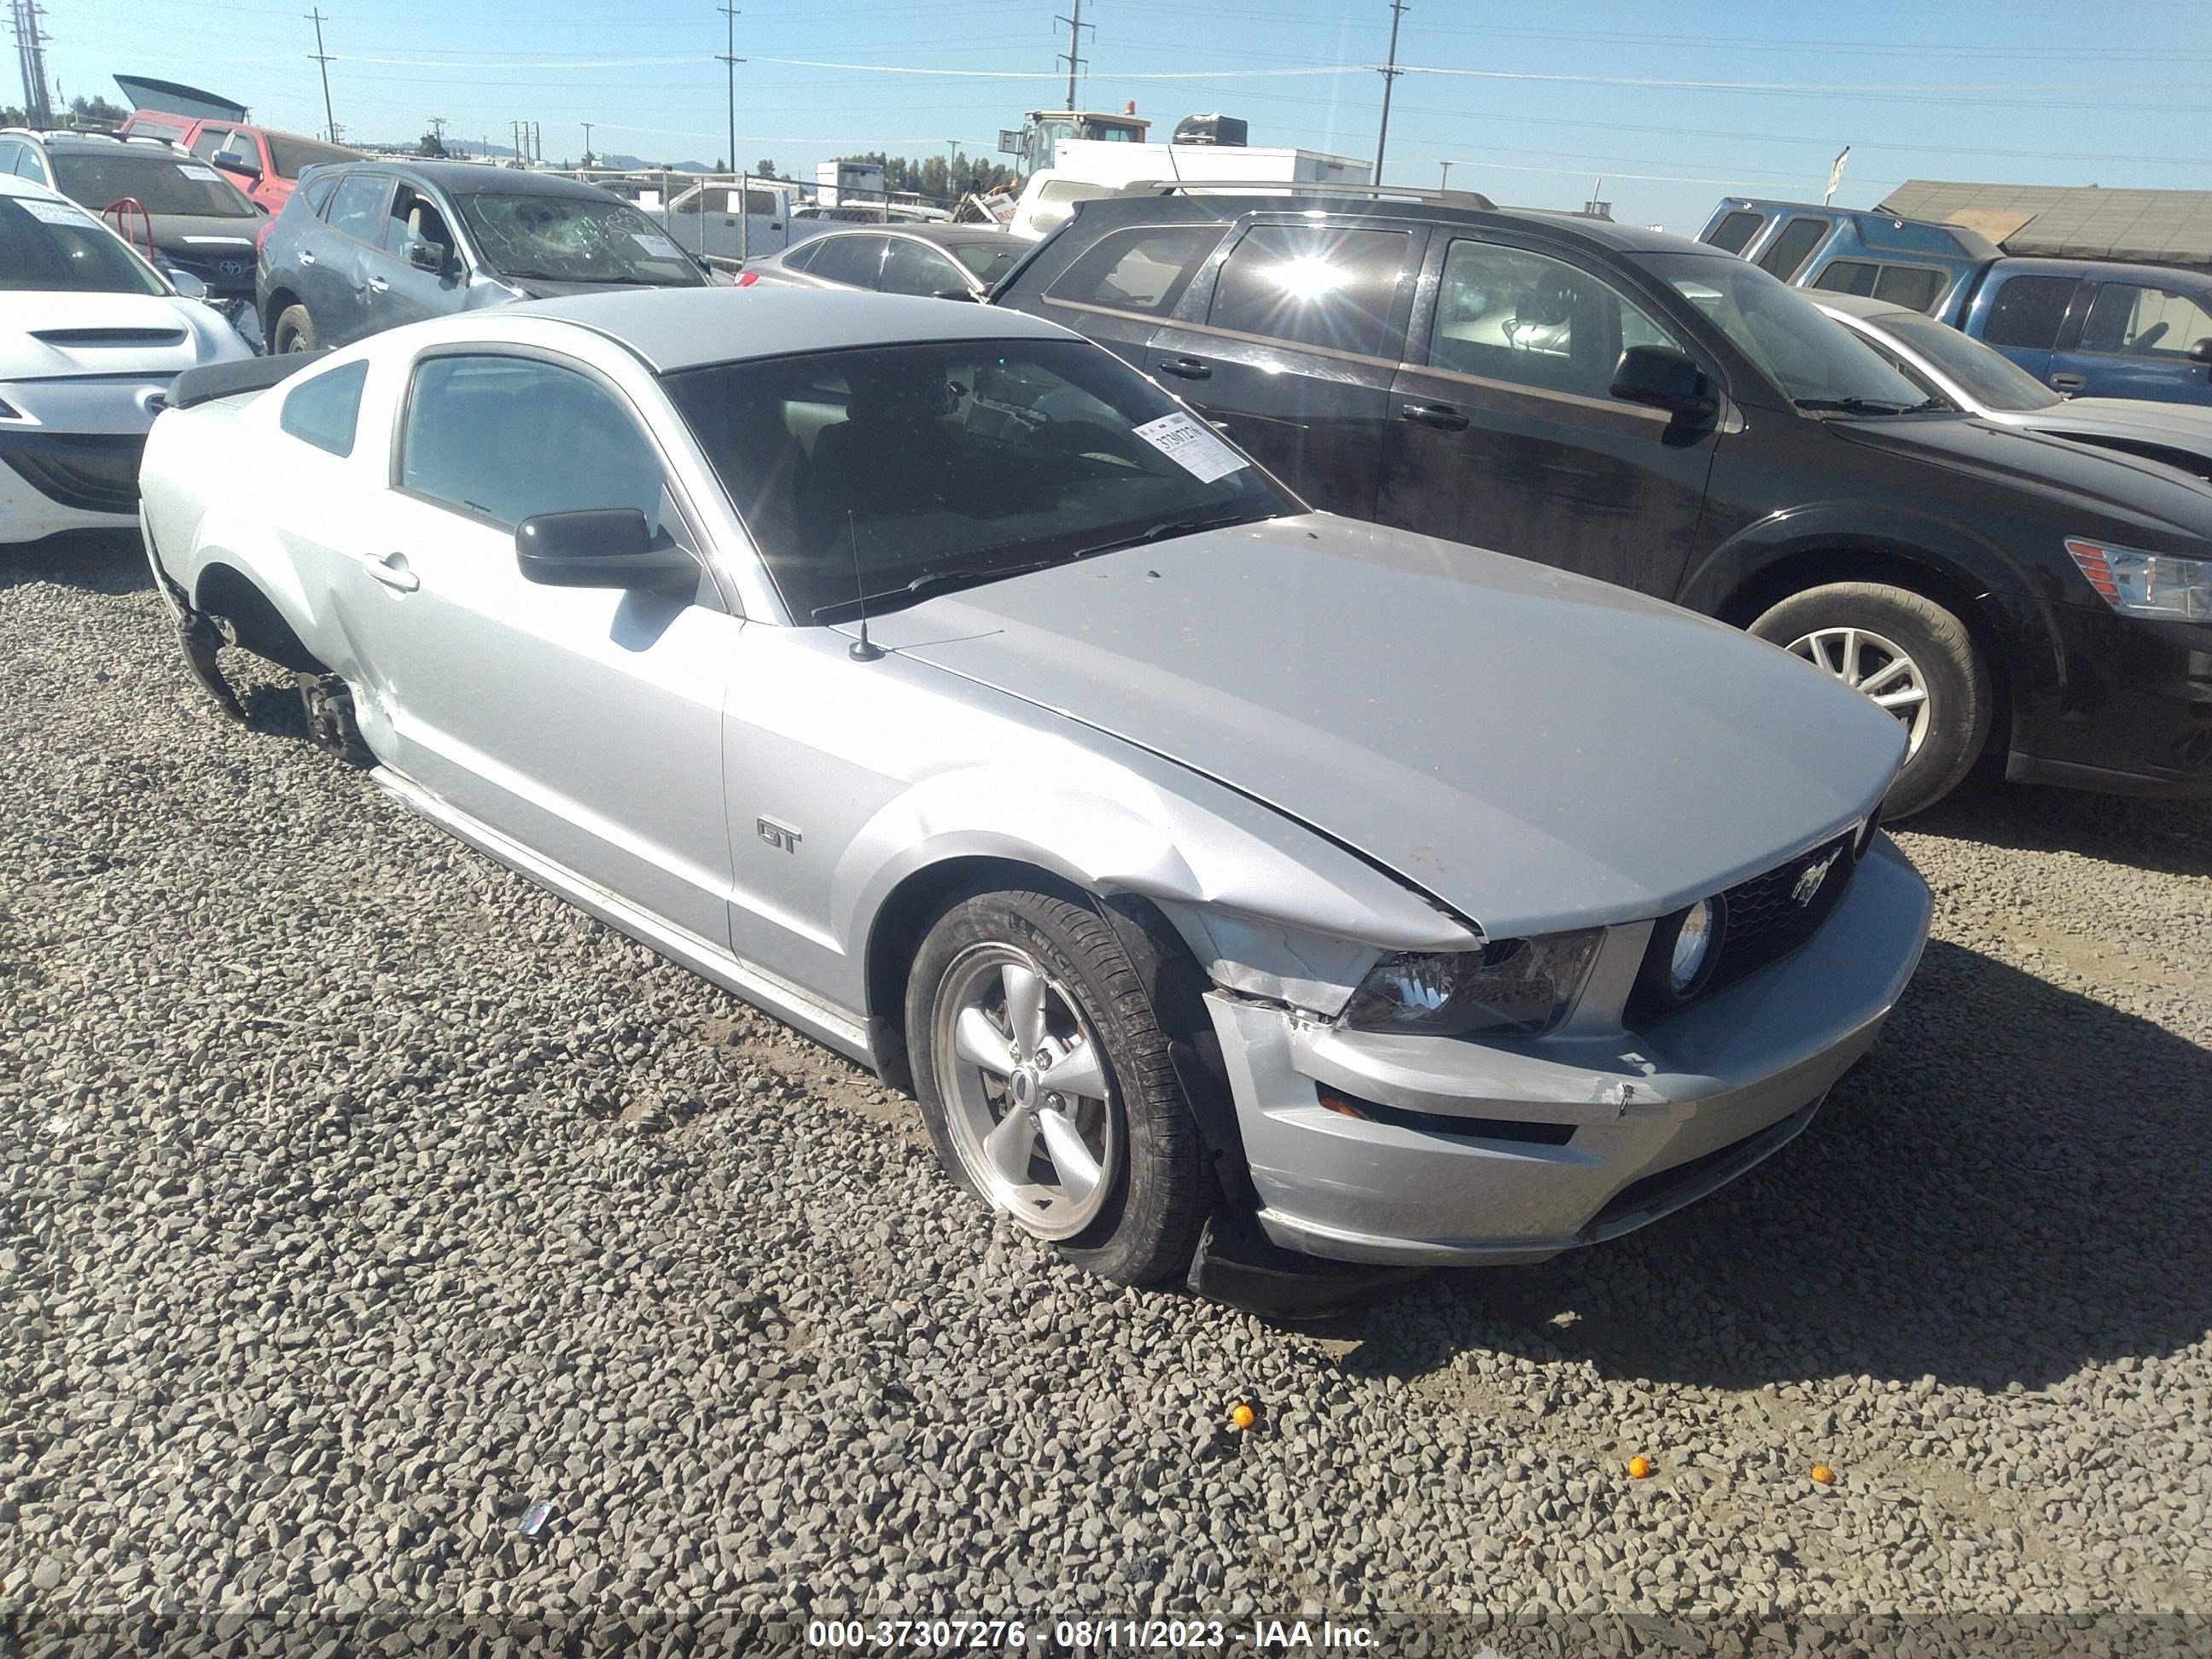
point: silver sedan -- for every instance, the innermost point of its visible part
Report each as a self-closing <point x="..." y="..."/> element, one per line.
<point x="926" y="676"/>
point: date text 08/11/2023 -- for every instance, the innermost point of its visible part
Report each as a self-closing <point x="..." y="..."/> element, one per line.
<point x="1086" y="1635"/>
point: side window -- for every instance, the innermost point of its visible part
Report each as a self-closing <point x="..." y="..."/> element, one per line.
<point x="1846" y="277"/>
<point x="318" y="192"/>
<point x="1313" y="286"/>
<point x="29" y="164"/>
<point x="911" y="268"/>
<point x="1142" y="270"/>
<point x="1734" y="234"/>
<point x="1790" y="250"/>
<point x="321" y="409"/>
<point x="760" y="203"/>
<point x="209" y="141"/>
<point x="358" y="208"/>
<point x="853" y="259"/>
<point x="802" y="257"/>
<point x="2028" y="311"/>
<point x="1507" y="314"/>
<point x="508" y="437"/>
<point x="2135" y="321"/>
<point x="1917" y="287"/>
<point x="414" y="217"/>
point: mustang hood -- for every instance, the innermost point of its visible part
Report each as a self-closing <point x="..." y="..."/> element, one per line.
<point x="1537" y="750"/>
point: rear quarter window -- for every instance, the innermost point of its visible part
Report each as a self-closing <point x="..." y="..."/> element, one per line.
<point x="2028" y="311"/>
<point x="323" y="410"/>
<point x="1144" y="269"/>
<point x="1734" y="234"/>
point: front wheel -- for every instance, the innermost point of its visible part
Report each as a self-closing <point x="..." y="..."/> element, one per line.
<point x="1907" y="654"/>
<point x="295" y="331"/>
<point x="1047" y="1086"/>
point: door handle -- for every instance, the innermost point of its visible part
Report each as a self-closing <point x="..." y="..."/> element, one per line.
<point x="306" y="257"/>
<point x="392" y="571"/>
<point x="1442" y="416"/>
<point x="1186" y="368"/>
<point x="2069" y="382"/>
<point x="378" y="285"/>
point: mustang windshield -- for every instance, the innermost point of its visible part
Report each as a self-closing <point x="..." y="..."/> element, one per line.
<point x="576" y="238"/>
<point x="943" y="465"/>
<point x="46" y="245"/>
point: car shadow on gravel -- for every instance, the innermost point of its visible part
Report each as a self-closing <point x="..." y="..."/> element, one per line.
<point x="2171" y="836"/>
<point x="2012" y="1188"/>
<point x="96" y="561"/>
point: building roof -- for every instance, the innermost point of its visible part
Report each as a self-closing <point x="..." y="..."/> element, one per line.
<point x="678" y="328"/>
<point x="2070" y="221"/>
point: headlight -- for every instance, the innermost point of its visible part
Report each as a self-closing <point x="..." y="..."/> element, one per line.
<point x="1522" y="986"/>
<point x="2156" y="585"/>
<point x="1695" y="941"/>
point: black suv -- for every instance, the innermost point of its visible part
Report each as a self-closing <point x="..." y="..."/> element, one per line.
<point x="1647" y="410"/>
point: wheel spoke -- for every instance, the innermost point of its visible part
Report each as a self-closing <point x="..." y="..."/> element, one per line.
<point x="1024" y="1007"/>
<point x="980" y="1043"/>
<point x="1071" y="1159"/>
<point x="1898" y="668"/>
<point x="1905" y="697"/>
<point x="1007" y="1146"/>
<point x="1852" y="650"/>
<point x="1076" y="1073"/>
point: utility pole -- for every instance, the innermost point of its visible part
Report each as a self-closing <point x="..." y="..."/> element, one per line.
<point x="30" y="58"/>
<point x="1445" y="183"/>
<point x="1075" y="27"/>
<point x="536" y="143"/>
<point x="438" y="125"/>
<point x="588" y="144"/>
<point x="1390" y="74"/>
<point x="730" y="62"/>
<point x="322" y="57"/>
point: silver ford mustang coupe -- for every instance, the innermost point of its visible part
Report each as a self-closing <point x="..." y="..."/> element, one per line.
<point x="1208" y="868"/>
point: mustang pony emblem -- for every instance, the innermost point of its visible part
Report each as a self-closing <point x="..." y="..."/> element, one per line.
<point x="1810" y="879"/>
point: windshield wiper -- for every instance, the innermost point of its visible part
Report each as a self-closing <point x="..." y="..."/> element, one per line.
<point x="936" y="581"/>
<point x="1857" y="405"/>
<point x="1173" y="527"/>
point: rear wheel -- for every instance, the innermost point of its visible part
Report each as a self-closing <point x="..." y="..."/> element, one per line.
<point x="1907" y="654"/>
<point x="295" y="331"/>
<point x="1047" y="1087"/>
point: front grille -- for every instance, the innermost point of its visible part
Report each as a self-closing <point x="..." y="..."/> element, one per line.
<point x="91" y="474"/>
<point x="1762" y="920"/>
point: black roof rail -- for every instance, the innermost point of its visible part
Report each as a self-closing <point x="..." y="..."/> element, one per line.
<point x="1459" y="199"/>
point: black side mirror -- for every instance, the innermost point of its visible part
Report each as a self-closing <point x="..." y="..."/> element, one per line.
<point x="598" y="547"/>
<point x="1664" y="378"/>
<point x="425" y="256"/>
<point x="248" y="165"/>
<point x="2202" y="352"/>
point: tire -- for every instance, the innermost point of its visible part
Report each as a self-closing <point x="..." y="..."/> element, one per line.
<point x="1858" y="632"/>
<point x="327" y="701"/>
<point x="1138" y="1220"/>
<point x="295" y="331"/>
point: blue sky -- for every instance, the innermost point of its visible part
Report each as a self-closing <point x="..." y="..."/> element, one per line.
<point x="2020" y="91"/>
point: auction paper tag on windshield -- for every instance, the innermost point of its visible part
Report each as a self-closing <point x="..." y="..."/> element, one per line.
<point x="51" y="213"/>
<point x="1191" y="446"/>
<point x="655" y="243"/>
<point x="193" y="170"/>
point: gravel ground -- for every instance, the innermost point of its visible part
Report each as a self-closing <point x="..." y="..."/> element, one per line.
<point x="355" y="1195"/>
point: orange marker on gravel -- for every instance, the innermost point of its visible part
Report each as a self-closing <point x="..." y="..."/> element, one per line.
<point x="1243" y="1416"/>
<point x="1639" y="1468"/>
<point x="1823" y="1475"/>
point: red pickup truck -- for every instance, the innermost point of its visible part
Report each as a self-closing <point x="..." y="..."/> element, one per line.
<point x="262" y="163"/>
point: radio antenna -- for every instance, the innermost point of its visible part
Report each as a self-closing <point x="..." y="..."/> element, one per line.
<point x="861" y="651"/>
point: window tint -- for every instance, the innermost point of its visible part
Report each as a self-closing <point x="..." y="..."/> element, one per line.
<point x="910" y="268"/>
<point x="508" y="437"/>
<point x="853" y="259"/>
<point x="760" y="203"/>
<point x="45" y="244"/>
<point x="989" y="260"/>
<point x="802" y="257"/>
<point x="1142" y="270"/>
<point x="2028" y="311"/>
<point x="165" y="181"/>
<point x="1847" y="276"/>
<point x="209" y="141"/>
<point x="1313" y="285"/>
<point x="319" y="195"/>
<point x="2136" y="321"/>
<point x="1508" y="314"/>
<point x="1914" y="287"/>
<point x="357" y="209"/>
<point x="1734" y="234"/>
<point x="321" y="409"/>
<point x="1992" y="377"/>
<point x="1802" y="351"/>
<point x="1792" y="247"/>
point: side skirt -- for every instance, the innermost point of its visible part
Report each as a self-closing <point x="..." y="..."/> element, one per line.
<point x="824" y="1021"/>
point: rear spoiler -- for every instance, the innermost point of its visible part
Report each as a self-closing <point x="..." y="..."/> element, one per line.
<point x="211" y="381"/>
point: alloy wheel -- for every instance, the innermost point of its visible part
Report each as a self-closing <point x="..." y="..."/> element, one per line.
<point x="1028" y="1104"/>
<point x="1877" y="668"/>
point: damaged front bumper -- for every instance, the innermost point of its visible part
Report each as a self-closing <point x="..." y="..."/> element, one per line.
<point x="1512" y="1151"/>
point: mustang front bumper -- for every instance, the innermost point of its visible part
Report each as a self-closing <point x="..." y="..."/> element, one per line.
<point x="1570" y="1138"/>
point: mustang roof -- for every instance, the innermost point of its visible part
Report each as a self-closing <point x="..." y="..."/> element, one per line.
<point x="688" y="328"/>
